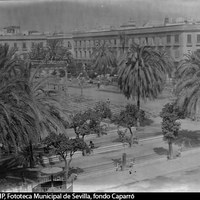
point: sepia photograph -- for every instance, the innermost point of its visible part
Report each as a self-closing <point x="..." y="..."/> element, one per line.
<point x="99" y="96"/>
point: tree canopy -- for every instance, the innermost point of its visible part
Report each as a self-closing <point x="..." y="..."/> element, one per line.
<point x="104" y="59"/>
<point x="188" y="84"/>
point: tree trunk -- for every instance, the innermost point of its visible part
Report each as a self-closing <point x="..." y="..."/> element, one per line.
<point x="138" y="101"/>
<point x="131" y="137"/>
<point x="123" y="161"/>
<point x="67" y="166"/>
<point x="66" y="87"/>
<point x="31" y="154"/>
<point x="170" y="150"/>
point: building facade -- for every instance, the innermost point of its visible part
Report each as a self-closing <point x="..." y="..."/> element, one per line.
<point x="23" y="41"/>
<point x="176" y="39"/>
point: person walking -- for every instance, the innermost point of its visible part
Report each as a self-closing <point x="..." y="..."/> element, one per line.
<point x="131" y="167"/>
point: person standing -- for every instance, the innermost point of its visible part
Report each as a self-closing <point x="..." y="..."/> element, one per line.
<point x="98" y="84"/>
<point x="108" y="102"/>
<point x="91" y="145"/>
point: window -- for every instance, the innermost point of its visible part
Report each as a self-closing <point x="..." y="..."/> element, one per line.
<point x="176" y="53"/>
<point x="168" y="38"/>
<point x="80" y="54"/>
<point x="198" y="38"/>
<point x="85" y="54"/>
<point x="24" y="45"/>
<point x="41" y="44"/>
<point x="189" y="38"/>
<point x="115" y="42"/>
<point x="32" y="44"/>
<point x="15" y="45"/>
<point x="176" y="38"/>
<point x="76" y="54"/>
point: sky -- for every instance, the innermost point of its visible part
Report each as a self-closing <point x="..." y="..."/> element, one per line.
<point x="70" y="15"/>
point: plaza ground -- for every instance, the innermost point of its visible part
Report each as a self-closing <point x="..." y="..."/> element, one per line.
<point x="154" y="171"/>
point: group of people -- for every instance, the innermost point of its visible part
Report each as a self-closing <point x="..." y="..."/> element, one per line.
<point x="131" y="167"/>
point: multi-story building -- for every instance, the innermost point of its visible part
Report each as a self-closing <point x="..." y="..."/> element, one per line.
<point x="176" y="38"/>
<point x="23" y="41"/>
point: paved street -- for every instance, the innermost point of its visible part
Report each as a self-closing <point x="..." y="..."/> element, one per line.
<point x="148" y="173"/>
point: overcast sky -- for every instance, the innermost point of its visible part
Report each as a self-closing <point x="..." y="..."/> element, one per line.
<point x="68" y="15"/>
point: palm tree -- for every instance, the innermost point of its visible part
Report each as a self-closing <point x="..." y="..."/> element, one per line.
<point x="142" y="73"/>
<point x="17" y="123"/>
<point x="45" y="103"/>
<point x="104" y="59"/>
<point x="26" y="108"/>
<point x="188" y="84"/>
<point x="122" y="39"/>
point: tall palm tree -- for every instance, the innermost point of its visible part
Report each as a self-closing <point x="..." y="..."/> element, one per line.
<point x="17" y="123"/>
<point x="26" y="108"/>
<point x="104" y="59"/>
<point x="188" y="84"/>
<point x="123" y="40"/>
<point x="142" y="73"/>
<point x="45" y="103"/>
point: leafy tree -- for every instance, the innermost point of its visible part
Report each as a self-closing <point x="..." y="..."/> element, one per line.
<point x="142" y="73"/>
<point x="170" y="126"/>
<point x="103" y="59"/>
<point x="103" y="109"/>
<point x="188" y="84"/>
<point x="128" y="118"/>
<point x="65" y="147"/>
<point x="85" y="123"/>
